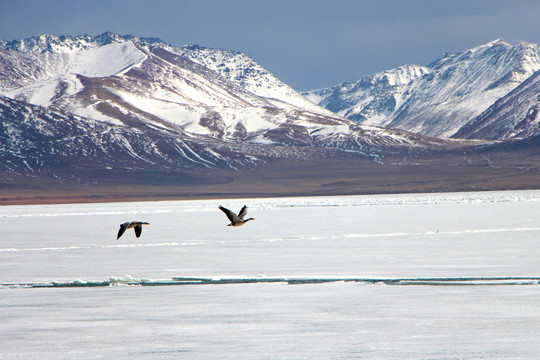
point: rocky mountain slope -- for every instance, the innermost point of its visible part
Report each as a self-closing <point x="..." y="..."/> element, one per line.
<point x="47" y="141"/>
<point x="439" y="99"/>
<point x="513" y="116"/>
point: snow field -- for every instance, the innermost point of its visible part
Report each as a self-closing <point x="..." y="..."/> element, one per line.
<point x="426" y="236"/>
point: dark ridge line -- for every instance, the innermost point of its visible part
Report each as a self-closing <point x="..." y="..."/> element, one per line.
<point x="179" y="281"/>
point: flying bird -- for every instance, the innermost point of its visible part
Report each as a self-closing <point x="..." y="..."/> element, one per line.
<point x="236" y="220"/>
<point x="136" y="225"/>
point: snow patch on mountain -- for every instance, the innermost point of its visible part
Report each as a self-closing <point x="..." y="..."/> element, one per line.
<point x="106" y="60"/>
<point x="53" y="76"/>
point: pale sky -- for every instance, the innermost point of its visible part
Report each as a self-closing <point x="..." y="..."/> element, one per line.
<point x="309" y="44"/>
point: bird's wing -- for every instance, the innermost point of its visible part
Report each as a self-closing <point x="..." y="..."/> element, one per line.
<point x="138" y="230"/>
<point x="242" y="213"/>
<point x="122" y="229"/>
<point x="232" y="216"/>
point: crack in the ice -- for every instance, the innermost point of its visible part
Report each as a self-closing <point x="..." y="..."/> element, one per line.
<point x="182" y="281"/>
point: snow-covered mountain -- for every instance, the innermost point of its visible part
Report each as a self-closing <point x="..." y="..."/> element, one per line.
<point x="126" y="79"/>
<point x="371" y="100"/>
<point x="116" y="97"/>
<point x="513" y="116"/>
<point x="439" y="99"/>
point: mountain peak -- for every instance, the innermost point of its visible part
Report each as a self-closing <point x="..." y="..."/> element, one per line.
<point x="495" y="44"/>
<point x="498" y="42"/>
<point x="402" y="75"/>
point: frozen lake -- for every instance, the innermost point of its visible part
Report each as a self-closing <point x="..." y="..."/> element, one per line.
<point x="429" y="276"/>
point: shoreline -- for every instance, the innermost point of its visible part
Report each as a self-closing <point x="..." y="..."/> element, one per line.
<point x="93" y="199"/>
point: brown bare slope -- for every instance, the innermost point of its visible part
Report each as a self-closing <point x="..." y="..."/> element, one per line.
<point x="500" y="167"/>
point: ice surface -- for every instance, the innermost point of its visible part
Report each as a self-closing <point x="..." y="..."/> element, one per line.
<point x="459" y="279"/>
